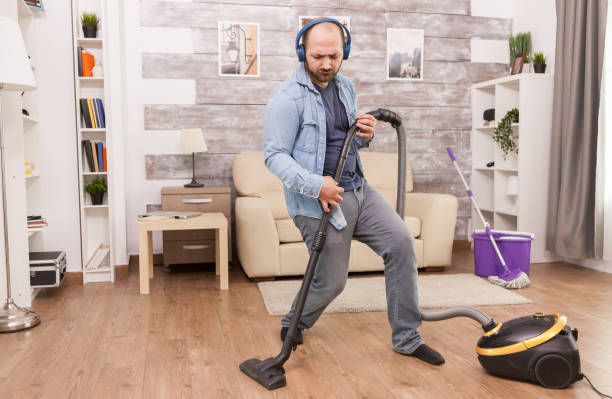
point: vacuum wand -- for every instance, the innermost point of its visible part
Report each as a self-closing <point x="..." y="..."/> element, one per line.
<point x="270" y="372"/>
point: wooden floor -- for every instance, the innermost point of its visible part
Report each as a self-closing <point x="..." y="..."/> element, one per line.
<point x="186" y="339"/>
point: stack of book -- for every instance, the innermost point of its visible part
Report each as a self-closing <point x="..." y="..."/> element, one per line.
<point x="95" y="153"/>
<point x="36" y="222"/>
<point x="92" y="113"/>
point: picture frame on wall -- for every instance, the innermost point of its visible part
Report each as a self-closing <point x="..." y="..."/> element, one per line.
<point x="404" y="54"/>
<point x="35" y="4"/>
<point x="305" y="19"/>
<point x="239" y="54"/>
<point x="517" y="64"/>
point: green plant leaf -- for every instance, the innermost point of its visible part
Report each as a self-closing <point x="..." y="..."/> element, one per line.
<point x="89" y="19"/>
<point x="503" y="132"/>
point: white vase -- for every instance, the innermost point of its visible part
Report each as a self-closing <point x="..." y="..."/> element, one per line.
<point x="527" y="68"/>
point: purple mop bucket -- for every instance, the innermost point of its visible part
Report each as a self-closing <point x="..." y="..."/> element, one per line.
<point x="514" y="246"/>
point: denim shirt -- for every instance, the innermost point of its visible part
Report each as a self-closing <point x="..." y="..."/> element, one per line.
<point x="295" y="140"/>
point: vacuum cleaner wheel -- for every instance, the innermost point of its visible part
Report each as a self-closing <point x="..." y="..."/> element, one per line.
<point x="554" y="371"/>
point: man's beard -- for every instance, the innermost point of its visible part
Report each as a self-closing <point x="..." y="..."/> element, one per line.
<point x="322" y="75"/>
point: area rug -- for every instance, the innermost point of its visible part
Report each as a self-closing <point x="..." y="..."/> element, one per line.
<point x="367" y="294"/>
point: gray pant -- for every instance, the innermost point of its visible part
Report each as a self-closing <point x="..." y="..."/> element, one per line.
<point x="371" y="220"/>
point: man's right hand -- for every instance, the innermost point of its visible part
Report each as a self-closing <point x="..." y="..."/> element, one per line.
<point x="330" y="193"/>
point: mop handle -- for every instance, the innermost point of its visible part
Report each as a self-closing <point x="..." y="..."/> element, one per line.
<point x="471" y="195"/>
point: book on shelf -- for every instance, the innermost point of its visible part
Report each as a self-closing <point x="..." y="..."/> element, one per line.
<point x="84" y="114"/>
<point x="88" y="61"/>
<point x="92" y="113"/>
<point x="36" y="222"/>
<point x="80" y="61"/>
<point x="94" y="107"/>
<point x="100" y="159"/>
<point x="94" y="150"/>
<point x="88" y="154"/>
<point x="104" y="159"/>
<point x="98" y="257"/>
<point x="101" y="112"/>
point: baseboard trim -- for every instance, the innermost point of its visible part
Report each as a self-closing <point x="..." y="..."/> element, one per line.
<point x="462" y="244"/>
<point x="158" y="259"/>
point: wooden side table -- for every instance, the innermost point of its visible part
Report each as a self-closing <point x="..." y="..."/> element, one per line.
<point x="194" y="246"/>
<point x="146" y="226"/>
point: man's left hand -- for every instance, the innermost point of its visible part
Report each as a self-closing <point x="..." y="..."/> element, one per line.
<point x="366" y="124"/>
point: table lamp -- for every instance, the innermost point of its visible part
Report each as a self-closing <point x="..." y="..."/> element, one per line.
<point x="192" y="141"/>
<point x="15" y="75"/>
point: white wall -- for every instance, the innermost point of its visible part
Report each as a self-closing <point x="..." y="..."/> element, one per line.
<point x="538" y="17"/>
<point x="138" y="142"/>
<point x="138" y="91"/>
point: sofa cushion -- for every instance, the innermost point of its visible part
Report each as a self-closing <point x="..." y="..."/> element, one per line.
<point x="288" y="231"/>
<point x="414" y="225"/>
<point x="380" y="169"/>
<point x="253" y="179"/>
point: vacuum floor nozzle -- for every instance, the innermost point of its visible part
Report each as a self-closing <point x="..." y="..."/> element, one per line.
<point x="269" y="373"/>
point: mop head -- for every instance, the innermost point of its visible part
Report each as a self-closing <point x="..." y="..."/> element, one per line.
<point x="521" y="281"/>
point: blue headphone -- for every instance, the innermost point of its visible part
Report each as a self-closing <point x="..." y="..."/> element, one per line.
<point x="301" y="51"/>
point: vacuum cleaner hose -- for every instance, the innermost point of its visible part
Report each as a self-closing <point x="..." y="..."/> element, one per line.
<point x="395" y="120"/>
<point x="485" y="321"/>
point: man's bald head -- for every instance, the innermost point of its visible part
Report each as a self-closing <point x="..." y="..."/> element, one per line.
<point x="324" y="32"/>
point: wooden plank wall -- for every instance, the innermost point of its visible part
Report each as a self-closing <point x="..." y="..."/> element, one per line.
<point x="436" y="111"/>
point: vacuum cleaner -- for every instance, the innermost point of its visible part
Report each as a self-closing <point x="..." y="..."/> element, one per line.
<point x="540" y="348"/>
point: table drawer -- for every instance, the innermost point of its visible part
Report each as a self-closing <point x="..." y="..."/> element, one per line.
<point x="188" y="235"/>
<point x="197" y="202"/>
<point x="192" y="251"/>
<point x="196" y="235"/>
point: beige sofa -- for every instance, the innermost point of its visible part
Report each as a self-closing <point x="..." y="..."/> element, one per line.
<point x="269" y="243"/>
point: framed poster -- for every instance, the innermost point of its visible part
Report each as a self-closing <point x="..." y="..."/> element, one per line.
<point x="404" y="54"/>
<point x="239" y="49"/>
<point x="35" y="4"/>
<point x="517" y="64"/>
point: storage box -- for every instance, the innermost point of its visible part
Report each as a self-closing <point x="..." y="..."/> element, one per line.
<point x="47" y="269"/>
<point x="515" y="248"/>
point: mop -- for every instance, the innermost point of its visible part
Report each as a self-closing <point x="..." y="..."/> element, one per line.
<point x="507" y="278"/>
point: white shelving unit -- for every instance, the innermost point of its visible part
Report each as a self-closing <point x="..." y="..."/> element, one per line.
<point x="532" y="95"/>
<point x="31" y="132"/>
<point x="96" y="220"/>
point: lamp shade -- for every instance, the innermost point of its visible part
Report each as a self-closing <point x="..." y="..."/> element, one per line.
<point x="15" y="68"/>
<point x="192" y="140"/>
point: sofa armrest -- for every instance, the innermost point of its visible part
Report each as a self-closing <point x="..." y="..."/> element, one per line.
<point x="438" y="214"/>
<point x="256" y="237"/>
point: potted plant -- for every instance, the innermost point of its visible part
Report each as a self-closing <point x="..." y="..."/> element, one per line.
<point x="503" y="133"/>
<point x="89" y="23"/>
<point x="96" y="189"/>
<point x="539" y="63"/>
<point x="519" y="44"/>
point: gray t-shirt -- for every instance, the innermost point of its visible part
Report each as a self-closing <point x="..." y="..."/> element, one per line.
<point x="337" y="125"/>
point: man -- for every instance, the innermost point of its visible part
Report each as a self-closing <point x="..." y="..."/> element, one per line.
<point x="306" y="121"/>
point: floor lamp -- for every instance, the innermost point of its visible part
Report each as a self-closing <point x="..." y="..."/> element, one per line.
<point x="15" y="75"/>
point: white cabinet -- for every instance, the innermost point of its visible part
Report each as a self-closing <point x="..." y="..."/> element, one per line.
<point x="513" y="194"/>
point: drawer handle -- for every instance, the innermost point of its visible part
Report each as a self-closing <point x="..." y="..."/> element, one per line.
<point x="196" y="246"/>
<point x="198" y="201"/>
